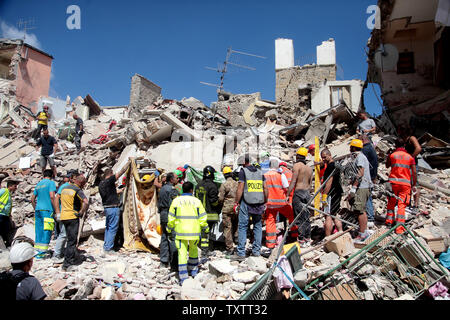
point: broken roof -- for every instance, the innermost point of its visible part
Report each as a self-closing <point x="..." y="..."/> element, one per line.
<point x="21" y="42"/>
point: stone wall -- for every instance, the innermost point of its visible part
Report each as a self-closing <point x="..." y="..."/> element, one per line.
<point x="289" y="80"/>
<point x="143" y="93"/>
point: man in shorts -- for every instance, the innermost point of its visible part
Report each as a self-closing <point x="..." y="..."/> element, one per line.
<point x="48" y="148"/>
<point x="360" y="190"/>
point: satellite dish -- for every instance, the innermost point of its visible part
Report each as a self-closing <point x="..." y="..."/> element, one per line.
<point x="386" y="57"/>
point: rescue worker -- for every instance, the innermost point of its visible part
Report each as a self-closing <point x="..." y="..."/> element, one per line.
<point x="42" y="118"/>
<point x="74" y="205"/>
<point x="61" y="239"/>
<point x="208" y="193"/>
<point x="44" y="207"/>
<point x="79" y="131"/>
<point x="251" y="195"/>
<point x="167" y="249"/>
<point x="227" y="192"/>
<point x="401" y="178"/>
<point x="28" y="287"/>
<point x="367" y="126"/>
<point x="5" y="210"/>
<point x="264" y="162"/>
<point x="331" y="193"/>
<point x="179" y="185"/>
<point x="48" y="148"/>
<point x="301" y="181"/>
<point x="187" y="221"/>
<point x="322" y="164"/>
<point x="371" y="155"/>
<point x="277" y="185"/>
<point x="110" y="201"/>
<point x="412" y="146"/>
<point x="360" y="190"/>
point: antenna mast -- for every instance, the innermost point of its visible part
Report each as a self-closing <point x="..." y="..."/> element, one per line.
<point x="227" y="62"/>
<point x="27" y="25"/>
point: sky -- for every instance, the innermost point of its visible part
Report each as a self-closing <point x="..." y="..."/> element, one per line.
<point x="171" y="42"/>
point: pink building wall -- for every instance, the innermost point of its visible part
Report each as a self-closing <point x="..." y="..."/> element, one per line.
<point x="33" y="76"/>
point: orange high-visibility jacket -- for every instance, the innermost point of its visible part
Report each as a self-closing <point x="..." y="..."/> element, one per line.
<point x="288" y="174"/>
<point x="277" y="195"/>
<point x="401" y="172"/>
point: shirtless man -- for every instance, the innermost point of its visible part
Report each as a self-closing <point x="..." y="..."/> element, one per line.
<point x="301" y="180"/>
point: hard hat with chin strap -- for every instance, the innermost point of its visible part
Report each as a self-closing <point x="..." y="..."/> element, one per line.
<point x="146" y="178"/>
<point x="302" y="152"/>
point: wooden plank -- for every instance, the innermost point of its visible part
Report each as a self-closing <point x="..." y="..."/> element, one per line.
<point x="316" y="176"/>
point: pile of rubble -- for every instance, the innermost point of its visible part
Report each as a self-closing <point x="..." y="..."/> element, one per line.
<point x="169" y="133"/>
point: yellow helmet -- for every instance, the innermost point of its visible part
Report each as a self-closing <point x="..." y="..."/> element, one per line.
<point x="356" y="143"/>
<point x="226" y="170"/>
<point x="146" y="178"/>
<point x="302" y="152"/>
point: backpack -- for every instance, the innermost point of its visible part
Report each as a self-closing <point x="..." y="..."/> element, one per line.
<point x="9" y="284"/>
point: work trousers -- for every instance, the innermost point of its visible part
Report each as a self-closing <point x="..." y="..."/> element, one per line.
<point x="271" y="228"/>
<point x="5" y="228"/>
<point x="61" y="241"/>
<point x="404" y="193"/>
<point x="187" y="265"/>
<point x="112" y="225"/>
<point x="244" y="217"/>
<point x="70" y="256"/>
<point x="167" y="248"/>
<point x="303" y="222"/>
<point x="43" y="228"/>
<point x="77" y="140"/>
<point x="230" y="227"/>
<point x="205" y="244"/>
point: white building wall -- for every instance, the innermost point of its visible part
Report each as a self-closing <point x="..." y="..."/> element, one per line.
<point x="326" y="52"/>
<point x="284" y="53"/>
<point x="321" y="100"/>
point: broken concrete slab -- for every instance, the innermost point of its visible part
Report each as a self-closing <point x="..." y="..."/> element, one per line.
<point x="342" y="246"/>
<point x="330" y="259"/>
<point x="246" y="276"/>
<point x="221" y="267"/>
<point x="193" y="290"/>
<point x="172" y="120"/>
<point x="257" y="264"/>
<point x="143" y="93"/>
<point x="198" y="154"/>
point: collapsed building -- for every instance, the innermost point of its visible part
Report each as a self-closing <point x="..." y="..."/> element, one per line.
<point x="160" y="134"/>
<point x="409" y="59"/>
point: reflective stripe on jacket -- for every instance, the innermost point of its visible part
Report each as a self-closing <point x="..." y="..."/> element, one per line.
<point x="401" y="172"/>
<point x="5" y="202"/>
<point x="187" y="218"/>
<point x="277" y="194"/>
<point x="253" y="187"/>
<point x="288" y="174"/>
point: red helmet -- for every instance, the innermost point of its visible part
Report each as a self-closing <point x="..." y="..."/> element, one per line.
<point x="284" y="164"/>
<point x="311" y="147"/>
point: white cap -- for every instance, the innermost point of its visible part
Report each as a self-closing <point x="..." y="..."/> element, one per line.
<point x="21" y="252"/>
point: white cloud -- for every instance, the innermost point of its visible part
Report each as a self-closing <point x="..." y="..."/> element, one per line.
<point x="12" y="32"/>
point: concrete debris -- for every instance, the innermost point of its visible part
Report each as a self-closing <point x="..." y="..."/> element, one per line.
<point x="161" y="135"/>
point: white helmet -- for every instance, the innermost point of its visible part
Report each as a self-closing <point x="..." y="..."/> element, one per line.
<point x="21" y="252"/>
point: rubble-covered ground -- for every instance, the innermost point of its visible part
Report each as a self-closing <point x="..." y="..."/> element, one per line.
<point x="137" y="275"/>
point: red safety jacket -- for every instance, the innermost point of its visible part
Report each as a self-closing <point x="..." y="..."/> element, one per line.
<point x="277" y="194"/>
<point x="401" y="163"/>
<point x="288" y="174"/>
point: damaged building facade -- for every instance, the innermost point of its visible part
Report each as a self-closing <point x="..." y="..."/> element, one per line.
<point x="160" y="134"/>
<point x="24" y="71"/>
<point x="409" y="58"/>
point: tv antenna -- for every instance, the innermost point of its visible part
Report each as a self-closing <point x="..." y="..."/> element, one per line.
<point x="27" y="25"/>
<point x="223" y="69"/>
